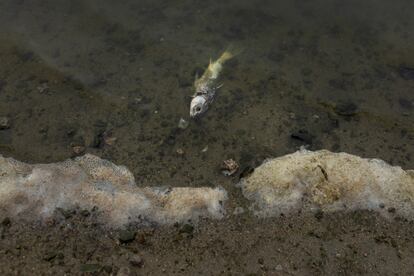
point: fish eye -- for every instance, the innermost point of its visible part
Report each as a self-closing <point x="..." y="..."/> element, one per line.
<point x="198" y="109"/>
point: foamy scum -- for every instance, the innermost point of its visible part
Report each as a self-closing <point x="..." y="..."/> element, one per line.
<point x="303" y="180"/>
<point x="36" y="191"/>
<point x="329" y="181"/>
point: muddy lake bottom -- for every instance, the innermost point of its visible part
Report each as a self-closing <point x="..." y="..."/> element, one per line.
<point x="114" y="80"/>
<point x="340" y="243"/>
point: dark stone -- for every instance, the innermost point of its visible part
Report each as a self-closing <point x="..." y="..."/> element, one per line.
<point x="49" y="256"/>
<point x="187" y="229"/>
<point x="85" y="213"/>
<point x="66" y="213"/>
<point x="170" y="140"/>
<point x="6" y="222"/>
<point x="4" y="123"/>
<point x="319" y="214"/>
<point x="302" y="135"/>
<point x="391" y="210"/>
<point x="136" y="260"/>
<point x="107" y="268"/>
<point x="126" y="236"/>
<point x="406" y="73"/>
<point x="346" y="109"/>
<point x="100" y="139"/>
<point x="404" y="103"/>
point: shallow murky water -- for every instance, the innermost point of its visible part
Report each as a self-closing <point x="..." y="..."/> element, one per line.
<point x="326" y="72"/>
<point x="335" y="75"/>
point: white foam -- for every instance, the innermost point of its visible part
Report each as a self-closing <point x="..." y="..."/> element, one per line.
<point x="36" y="191"/>
<point x="329" y="181"/>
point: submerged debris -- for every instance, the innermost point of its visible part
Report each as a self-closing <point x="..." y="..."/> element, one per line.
<point x="4" y="123"/>
<point x="183" y="124"/>
<point x="229" y="167"/>
<point x="78" y="150"/>
<point x="346" y="109"/>
<point x="406" y="73"/>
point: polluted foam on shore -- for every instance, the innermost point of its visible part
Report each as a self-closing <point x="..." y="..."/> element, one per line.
<point x="327" y="181"/>
<point x="304" y="180"/>
<point x="33" y="192"/>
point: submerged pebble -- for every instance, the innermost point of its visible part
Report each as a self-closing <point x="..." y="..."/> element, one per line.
<point x="406" y="73"/>
<point x="229" y="167"/>
<point x="4" y="123"/>
<point x="183" y="124"/>
<point x="126" y="236"/>
<point x="346" y="109"/>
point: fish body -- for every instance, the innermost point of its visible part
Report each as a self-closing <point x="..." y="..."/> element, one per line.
<point x="207" y="85"/>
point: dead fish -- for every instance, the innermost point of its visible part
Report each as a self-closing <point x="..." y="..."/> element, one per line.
<point x="207" y="85"/>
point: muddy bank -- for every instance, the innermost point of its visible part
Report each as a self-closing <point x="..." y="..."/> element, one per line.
<point x="336" y="243"/>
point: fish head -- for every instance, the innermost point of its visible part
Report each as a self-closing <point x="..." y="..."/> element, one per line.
<point x="198" y="106"/>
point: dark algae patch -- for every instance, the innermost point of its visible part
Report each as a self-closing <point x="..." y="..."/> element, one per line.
<point x="114" y="79"/>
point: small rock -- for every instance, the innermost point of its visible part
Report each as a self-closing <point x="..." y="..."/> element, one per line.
<point x="104" y="139"/>
<point x="4" y="123"/>
<point x="49" y="256"/>
<point x="170" y="140"/>
<point x="6" y="222"/>
<point x="391" y="210"/>
<point x="406" y="73"/>
<point x="346" y="109"/>
<point x="126" y="236"/>
<point x="187" y="229"/>
<point x="205" y="149"/>
<point x="136" y="260"/>
<point x="404" y="103"/>
<point x="279" y="267"/>
<point x="180" y="151"/>
<point x="238" y="211"/>
<point x="229" y="167"/>
<point x="85" y="213"/>
<point x="107" y="268"/>
<point x="43" y="88"/>
<point x="319" y="214"/>
<point x="78" y="150"/>
<point x="183" y="124"/>
<point x="67" y="213"/>
<point x="108" y="139"/>
<point x="302" y="135"/>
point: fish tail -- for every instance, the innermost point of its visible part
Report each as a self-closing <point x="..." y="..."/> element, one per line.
<point x="229" y="53"/>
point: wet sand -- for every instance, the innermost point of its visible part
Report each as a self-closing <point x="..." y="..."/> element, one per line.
<point x="318" y="73"/>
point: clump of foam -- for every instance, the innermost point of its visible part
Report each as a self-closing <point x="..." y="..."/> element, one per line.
<point x="36" y="191"/>
<point x="328" y="181"/>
